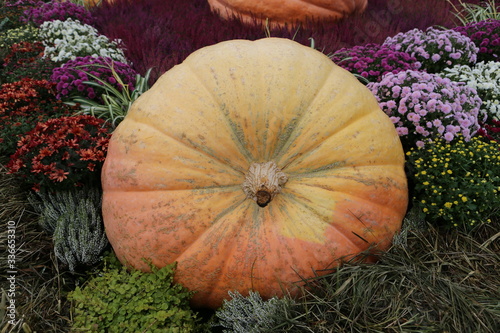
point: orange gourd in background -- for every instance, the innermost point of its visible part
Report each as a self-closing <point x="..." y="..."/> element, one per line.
<point x="281" y="12"/>
<point x="94" y="3"/>
<point x="252" y="164"/>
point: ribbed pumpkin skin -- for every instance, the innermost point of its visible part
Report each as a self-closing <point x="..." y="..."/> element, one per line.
<point x="280" y="12"/>
<point x="173" y="175"/>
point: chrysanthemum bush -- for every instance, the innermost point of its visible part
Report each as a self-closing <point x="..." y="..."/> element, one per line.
<point x="11" y="11"/>
<point x="435" y="48"/>
<point x="457" y="184"/>
<point x="10" y="37"/>
<point x="372" y="61"/>
<point x="484" y="77"/>
<point x="56" y="10"/>
<point x="62" y="153"/>
<point x="486" y="35"/>
<point x="22" y="105"/>
<point x="113" y="104"/>
<point x="72" y="76"/>
<point x="25" y="60"/>
<point x="423" y="105"/>
<point x="19" y="55"/>
<point x="69" y="39"/>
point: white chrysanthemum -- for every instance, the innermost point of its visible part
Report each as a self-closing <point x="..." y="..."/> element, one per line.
<point x="66" y="40"/>
<point x="485" y="78"/>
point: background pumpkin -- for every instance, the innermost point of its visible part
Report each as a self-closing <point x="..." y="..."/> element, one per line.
<point x="174" y="174"/>
<point x="280" y="12"/>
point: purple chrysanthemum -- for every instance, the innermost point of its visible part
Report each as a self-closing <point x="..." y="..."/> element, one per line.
<point x="55" y="10"/>
<point x="435" y="49"/>
<point x="423" y="105"/>
<point x="486" y="35"/>
<point x="71" y="77"/>
<point x="372" y="61"/>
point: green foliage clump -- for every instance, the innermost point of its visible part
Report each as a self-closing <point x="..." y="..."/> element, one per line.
<point x="456" y="184"/>
<point x="114" y="104"/>
<point x="122" y="301"/>
<point x="74" y="219"/>
<point x="469" y="12"/>
<point x="252" y="314"/>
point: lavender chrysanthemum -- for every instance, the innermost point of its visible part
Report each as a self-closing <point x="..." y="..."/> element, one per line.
<point x="426" y="106"/>
<point x="435" y="49"/>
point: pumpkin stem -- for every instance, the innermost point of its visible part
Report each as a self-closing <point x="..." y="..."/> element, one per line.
<point x="263" y="181"/>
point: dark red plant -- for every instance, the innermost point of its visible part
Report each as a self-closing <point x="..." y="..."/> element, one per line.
<point x="22" y="105"/>
<point x="491" y="131"/>
<point x="23" y="52"/>
<point x="62" y="153"/>
<point x="20" y="55"/>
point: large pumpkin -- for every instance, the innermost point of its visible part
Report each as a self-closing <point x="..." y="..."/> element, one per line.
<point x="253" y="164"/>
<point x="281" y="12"/>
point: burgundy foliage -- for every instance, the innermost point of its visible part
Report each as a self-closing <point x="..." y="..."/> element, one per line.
<point x="159" y="34"/>
<point x="491" y="131"/>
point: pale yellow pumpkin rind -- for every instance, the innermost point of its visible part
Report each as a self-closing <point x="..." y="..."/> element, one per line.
<point x="173" y="176"/>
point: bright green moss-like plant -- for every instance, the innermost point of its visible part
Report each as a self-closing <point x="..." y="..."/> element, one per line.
<point x="125" y="301"/>
<point x="457" y="184"/>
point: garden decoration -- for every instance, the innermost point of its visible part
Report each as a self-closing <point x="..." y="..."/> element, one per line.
<point x="247" y="179"/>
<point x="280" y="13"/>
